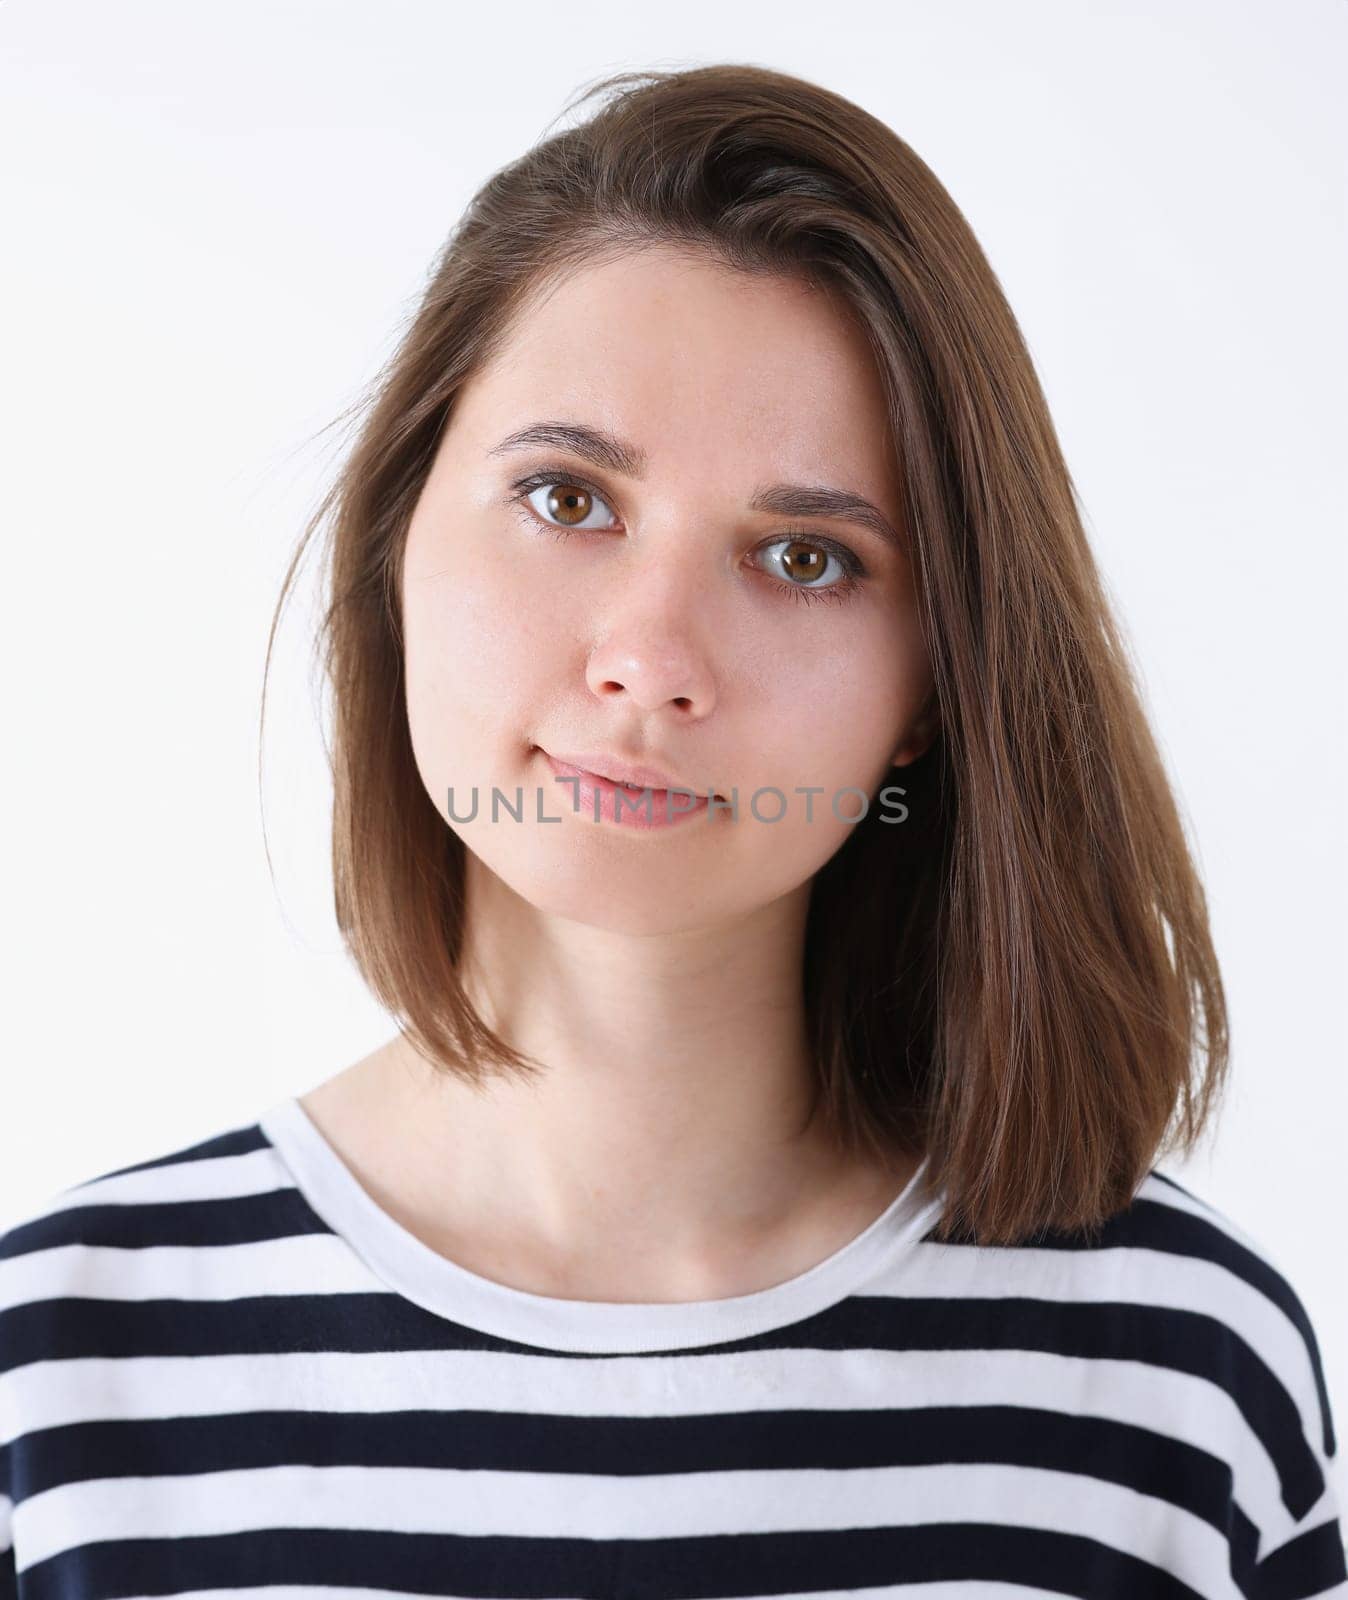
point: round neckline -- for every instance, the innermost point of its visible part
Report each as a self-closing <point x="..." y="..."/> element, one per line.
<point x="433" y="1281"/>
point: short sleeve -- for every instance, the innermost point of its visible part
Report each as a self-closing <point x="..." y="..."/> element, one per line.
<point x="1306" y="1559"/>
<point x="9" y="1582"/>
<point x="9" y="1420"/>
<point x="1311" y="1560"/>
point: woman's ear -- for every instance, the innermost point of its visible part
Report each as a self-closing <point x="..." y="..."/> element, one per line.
<point x="926" y="725"/>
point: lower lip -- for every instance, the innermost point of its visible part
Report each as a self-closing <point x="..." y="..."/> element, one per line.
<point x="597" y="799"/>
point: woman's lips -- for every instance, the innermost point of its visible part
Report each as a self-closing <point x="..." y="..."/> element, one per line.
<point x="617" y="770"/>
<point x="641" y="806"/>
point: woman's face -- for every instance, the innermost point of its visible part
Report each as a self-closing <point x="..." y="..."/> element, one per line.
<point x="641" y="605"/>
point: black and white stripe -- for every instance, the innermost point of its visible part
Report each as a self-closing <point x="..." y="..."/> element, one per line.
<point x="221" y="1370"/>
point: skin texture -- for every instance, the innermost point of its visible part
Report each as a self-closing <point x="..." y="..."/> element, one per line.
<point x="663" y="1155"/>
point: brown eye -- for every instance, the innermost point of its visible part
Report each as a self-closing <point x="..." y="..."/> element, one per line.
<point x="569" y="503"/>
<point x="804" y="564"/>
<point x="803" y="567"/>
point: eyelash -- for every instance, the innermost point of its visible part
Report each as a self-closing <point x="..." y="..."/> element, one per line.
<point x="835" y="594"/>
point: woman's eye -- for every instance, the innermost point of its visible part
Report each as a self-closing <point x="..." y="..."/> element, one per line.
<point x="804" y="566"/>
<point x="802" y="563"/>
<point x="565" y="505"/>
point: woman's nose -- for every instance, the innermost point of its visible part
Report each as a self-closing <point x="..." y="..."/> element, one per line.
<point x="655" y="646"/>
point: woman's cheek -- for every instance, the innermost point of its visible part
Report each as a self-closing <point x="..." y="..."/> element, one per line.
<point x="839" y="707"/>
<point x="454" y="655"/>
<point x="470" y="612"/>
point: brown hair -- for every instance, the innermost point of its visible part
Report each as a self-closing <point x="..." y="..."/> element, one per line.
<point x="1021" y="985"/>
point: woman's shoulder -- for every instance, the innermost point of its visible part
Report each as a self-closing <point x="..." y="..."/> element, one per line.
<point x="1236" y="1315"/>
<point x="1175" y="1316"/>
<point x="1170" y="1249"/>
<point x="90" y="1239"/>
<point x="1180" y="1286"/>
<point x="1186" y="1284"/>
<point x="1179" y="1249"/>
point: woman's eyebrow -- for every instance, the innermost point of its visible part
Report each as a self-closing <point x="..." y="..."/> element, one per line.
<point x="613" y="454"/>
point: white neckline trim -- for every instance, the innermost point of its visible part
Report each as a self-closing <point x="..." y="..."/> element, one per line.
<point x="433" y="1281"/>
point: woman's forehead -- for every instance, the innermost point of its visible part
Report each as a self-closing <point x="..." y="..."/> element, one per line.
<point x="687" y="362"/>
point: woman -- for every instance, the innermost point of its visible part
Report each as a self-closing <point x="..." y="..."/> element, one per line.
<point x="744" y="807"/>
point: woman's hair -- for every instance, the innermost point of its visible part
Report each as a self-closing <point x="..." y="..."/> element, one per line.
<point x="1019" y="979"/>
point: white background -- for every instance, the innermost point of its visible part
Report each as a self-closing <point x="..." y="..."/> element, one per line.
<point x="216" y="219"/>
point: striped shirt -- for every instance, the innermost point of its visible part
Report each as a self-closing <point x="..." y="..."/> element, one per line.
<point x="229" y="1369"/>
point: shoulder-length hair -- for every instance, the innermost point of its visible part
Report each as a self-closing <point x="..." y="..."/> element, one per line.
<point x="1023" y="984"/>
